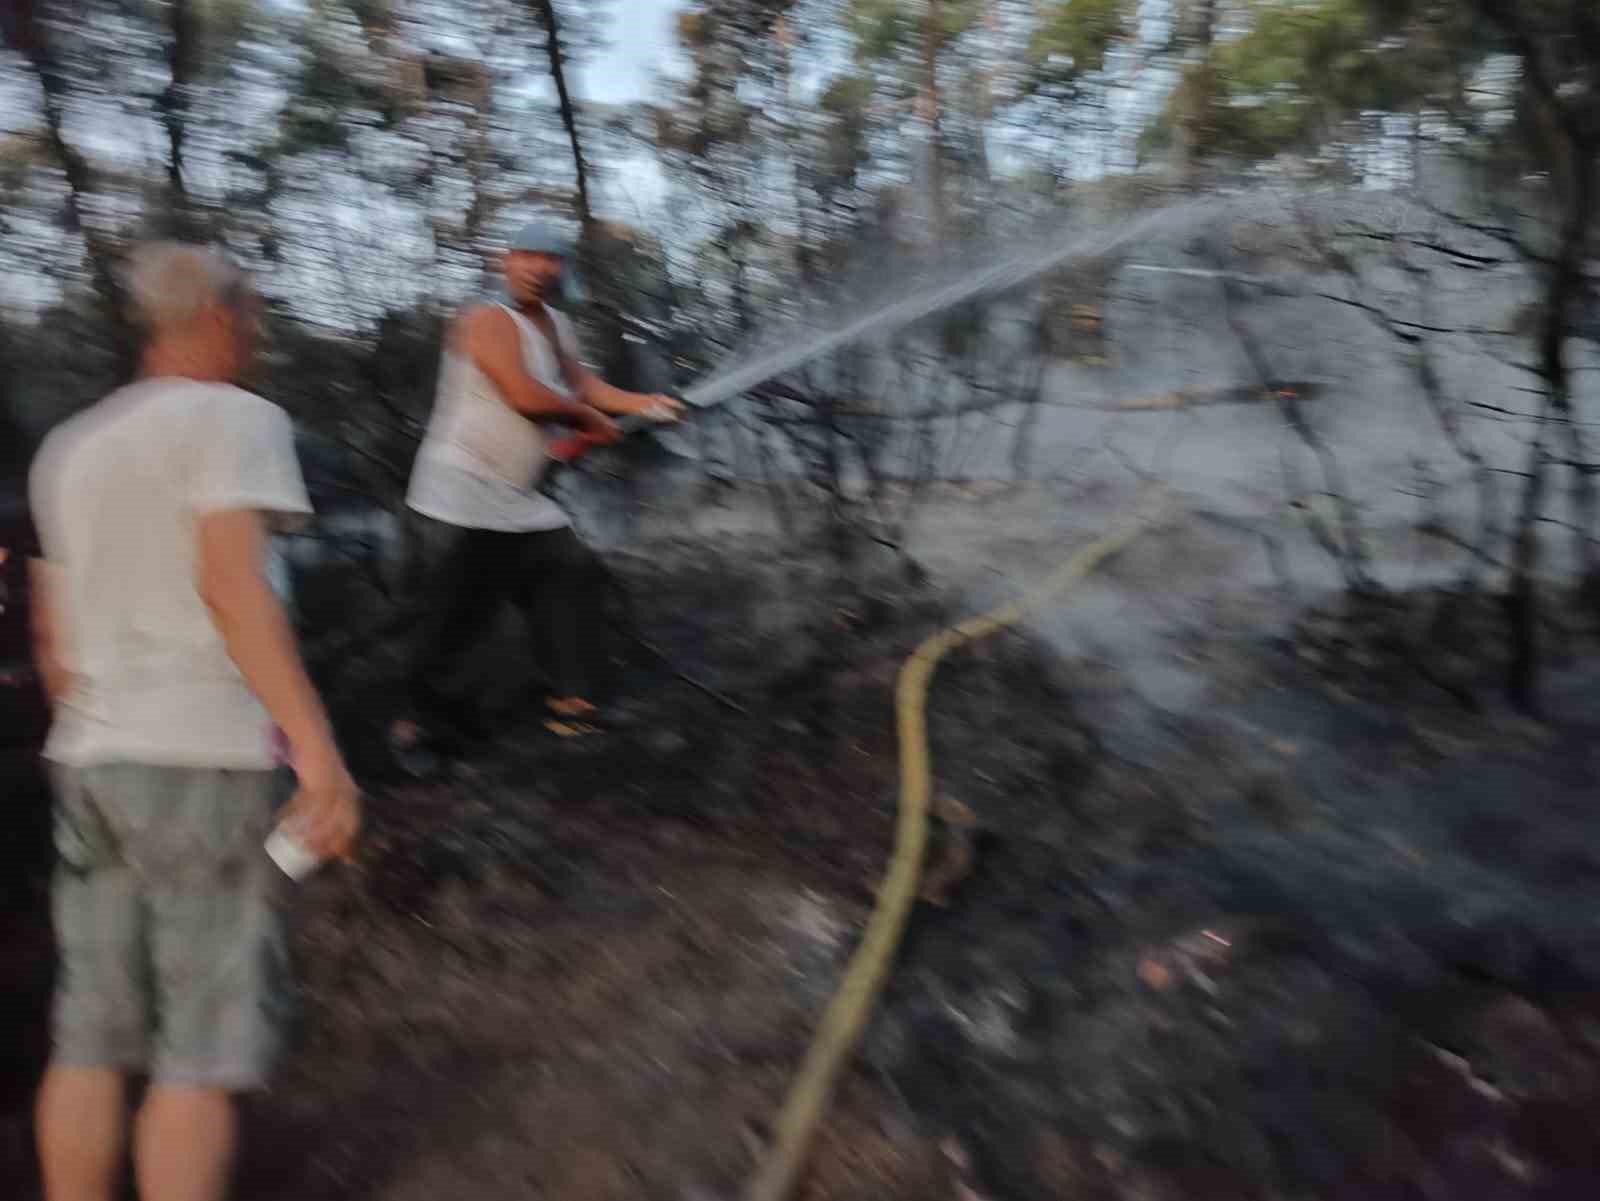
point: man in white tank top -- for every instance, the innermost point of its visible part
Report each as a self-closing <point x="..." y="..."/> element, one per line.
<point x="508" y="373"/>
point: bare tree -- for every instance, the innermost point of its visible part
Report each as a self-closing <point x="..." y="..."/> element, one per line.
<point x="173" y="104"/>
<point x="1415" y="340"/>
<point x="35" y="40"/>
<point x="1570" y="116"/>
<point x="1345" y="545"/>
<point x="555" y="50"/>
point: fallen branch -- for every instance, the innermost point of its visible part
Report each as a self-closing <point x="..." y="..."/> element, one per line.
<point x="722" y="699"/>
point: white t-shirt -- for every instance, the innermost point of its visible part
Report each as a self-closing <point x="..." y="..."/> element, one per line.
<point x="117" y="492"/>
<point x="481" y="462"/>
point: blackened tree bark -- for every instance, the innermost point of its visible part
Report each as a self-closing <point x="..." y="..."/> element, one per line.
<point x="932" y="104"/>
<point x="1198" y="31"/>
<point x="31" y="21"/>
<point x="1346" y="548"/>
<point x="173" y="105"/>
<point x="546" y="11"/>
<point x="1571" y="117"/>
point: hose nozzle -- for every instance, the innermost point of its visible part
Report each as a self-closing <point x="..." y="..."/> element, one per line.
<point x="574" y="446"/>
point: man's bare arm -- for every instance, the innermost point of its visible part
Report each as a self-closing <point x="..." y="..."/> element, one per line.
<point x="608" y="398"/>
<point x="256" y="631"/>
<point x="254" y="627"/>
<point x="489" y="337"/>
<point x="45" y="619"/>
<point x="617" y="402"/>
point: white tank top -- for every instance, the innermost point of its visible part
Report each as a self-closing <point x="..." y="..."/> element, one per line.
<point x="481" y="462"/>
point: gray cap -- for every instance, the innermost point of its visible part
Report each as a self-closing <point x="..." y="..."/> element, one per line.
<point x="542" y="237"/>
<point x="546" y="237"/>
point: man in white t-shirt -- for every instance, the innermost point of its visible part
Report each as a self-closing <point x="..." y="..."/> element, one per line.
<point x="509" y="372"/>
<point x="169" y="660"/>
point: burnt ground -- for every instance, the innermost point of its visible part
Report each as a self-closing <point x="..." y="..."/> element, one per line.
<point x="1324" y="934"/>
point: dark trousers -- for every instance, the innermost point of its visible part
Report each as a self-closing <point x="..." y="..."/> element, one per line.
<point x="556" y="584"/>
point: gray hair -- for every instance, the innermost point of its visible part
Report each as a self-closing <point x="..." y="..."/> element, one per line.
<point x="171" y="283"/>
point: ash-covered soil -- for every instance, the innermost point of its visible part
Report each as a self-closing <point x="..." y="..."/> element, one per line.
<point x="1318" y="931"/>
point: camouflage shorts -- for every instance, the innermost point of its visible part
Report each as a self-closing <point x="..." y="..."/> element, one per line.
<point x="166" y="919"/>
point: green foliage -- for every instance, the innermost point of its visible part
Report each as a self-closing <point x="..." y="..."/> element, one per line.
<point x="1304" y="67"/>
<point x="953" y="18"/>
<point x="880" y="27"/>
<point x="730" y="43"/>
<point x="702" y="24"/>
<point x="222" y="25"/>
<point x="325" y="96"/>
<point x="1069" y="45"/>
<point x="843" y="150"/>
<point x="886" y="29"/>
<point x="1320" y="51"/>
<point x="1079" y="32"/>
<point x="694" y="29"/>
<point x="20" y="155"/>
<point x="371" y="12"/>
<point x="846" y="95"/>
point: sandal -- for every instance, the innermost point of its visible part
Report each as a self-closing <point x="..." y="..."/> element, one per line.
<point x="570" y="706"/>
<point x="570" y="729"/>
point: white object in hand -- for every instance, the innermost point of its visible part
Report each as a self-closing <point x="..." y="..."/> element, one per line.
<point x="287" y="852"/>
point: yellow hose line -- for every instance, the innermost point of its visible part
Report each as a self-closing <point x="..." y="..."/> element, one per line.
<point x="851" y="1007"/>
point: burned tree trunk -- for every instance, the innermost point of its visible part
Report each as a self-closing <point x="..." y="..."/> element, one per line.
<point x="1197" y="30"/>
<point x="34" y="41"/>
<point x="1411" y="338"/>
<point x="1565" y="287"/>
<point x="1522" y="594"/>
<point x="173" y="105"/>
<point x="932" y="113"/>
<point x="1572" y="122"/>
<point x="1346" y="548"/>
<point x="546" y="11"/>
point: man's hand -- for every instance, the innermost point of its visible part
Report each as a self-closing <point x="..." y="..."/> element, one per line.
<point x="656" y="406"/>
<point x="254" y="627"/>
<point x="598" y="428"/>
<point x="653" y="406"/>
<point x="325" y="812"/>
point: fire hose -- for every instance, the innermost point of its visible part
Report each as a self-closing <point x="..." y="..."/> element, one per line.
<point x="848" y="1013"/>
<point x="570" y="449"/>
